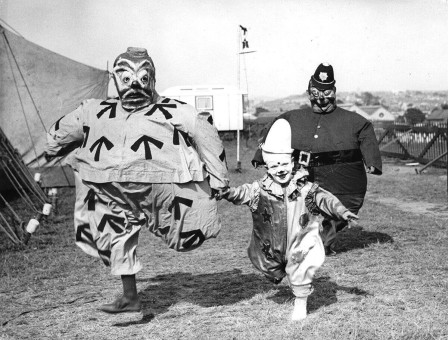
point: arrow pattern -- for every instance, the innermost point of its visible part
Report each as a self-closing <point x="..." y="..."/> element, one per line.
<point x="146" y="140"/>
<point x="56" y="125"/>
<point x="105" y="256"/>
<point x="180" y="102"/>
<point x="164" y="231"/>
<point x="109" y="106"/>
<point x="115" y="222"/>
<point x="184" y="136"/>
<point x="222" y="156"/>
<point x="83" y="232"/>
<point x="90" y="199"/>
<point x="86" y="131"/>
<point x="177" y="201"/>
<point x="162" y="108"/>
<point x="193" y="238"/>
<point x="99" y="143"/>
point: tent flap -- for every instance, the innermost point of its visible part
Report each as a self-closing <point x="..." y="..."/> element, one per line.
<point x="37" y="88"/>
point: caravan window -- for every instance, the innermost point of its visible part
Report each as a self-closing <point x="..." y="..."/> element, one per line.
<point x="204" y="103"/>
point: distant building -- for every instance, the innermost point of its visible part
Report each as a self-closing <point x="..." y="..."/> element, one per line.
<point x="370" y="112"/>
<point x="438" y="115"/>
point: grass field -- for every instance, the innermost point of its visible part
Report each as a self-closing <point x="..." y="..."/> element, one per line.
<point x="388" y="281"/>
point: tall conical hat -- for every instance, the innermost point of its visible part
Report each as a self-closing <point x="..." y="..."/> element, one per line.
<point x="278" y="139"/>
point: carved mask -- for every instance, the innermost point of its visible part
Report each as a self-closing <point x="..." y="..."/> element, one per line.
<point x="134" y="76"/>
<point x="322" y="101"/>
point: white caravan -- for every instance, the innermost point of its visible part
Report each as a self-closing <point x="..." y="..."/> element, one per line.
<point x="225" y="103"/>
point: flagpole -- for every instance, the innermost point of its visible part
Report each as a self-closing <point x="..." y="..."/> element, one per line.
<point x="238" y="162"/>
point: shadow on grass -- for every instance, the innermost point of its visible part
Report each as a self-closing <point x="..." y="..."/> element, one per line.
<point x="356" y="237"/>
<point x="325" y="291"/>
<point x="205" y="290"/>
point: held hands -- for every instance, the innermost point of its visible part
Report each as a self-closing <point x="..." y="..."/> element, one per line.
<point x="351" y="218"/>
<point x="219" y="194"/>
<point x="48" y="157"/>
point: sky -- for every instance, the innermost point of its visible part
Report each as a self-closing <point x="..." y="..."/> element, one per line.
<point x="373" y="45"/>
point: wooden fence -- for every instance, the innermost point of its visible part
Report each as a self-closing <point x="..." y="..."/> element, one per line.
<point x="421" y="143"/>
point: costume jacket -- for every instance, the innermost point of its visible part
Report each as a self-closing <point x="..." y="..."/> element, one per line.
<point x="282" y="217"/>
<point x="166" y="142"/>
<point x="343" y="131"/>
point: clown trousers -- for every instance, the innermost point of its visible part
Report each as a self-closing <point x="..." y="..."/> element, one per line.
<point x="281" y="259"/>
<point x="108" y="218"/>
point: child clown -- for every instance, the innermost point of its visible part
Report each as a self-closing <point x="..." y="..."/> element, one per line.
<point x="287" y="213"/>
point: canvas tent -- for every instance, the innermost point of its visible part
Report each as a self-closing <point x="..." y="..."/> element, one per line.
<point x="37" y="87"/>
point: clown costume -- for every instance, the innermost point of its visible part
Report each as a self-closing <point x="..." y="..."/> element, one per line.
<point x="287" y="214"/>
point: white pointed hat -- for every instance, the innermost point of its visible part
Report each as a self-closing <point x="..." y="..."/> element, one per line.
<point x="278" y="139"/>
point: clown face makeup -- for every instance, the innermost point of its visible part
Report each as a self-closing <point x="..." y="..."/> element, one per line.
<point x="279" y="167"/>
<point x="134" y="78"/>
<point x="322" y="100"/>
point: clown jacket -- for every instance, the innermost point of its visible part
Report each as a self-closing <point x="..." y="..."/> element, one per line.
<point x="166" y="142"/>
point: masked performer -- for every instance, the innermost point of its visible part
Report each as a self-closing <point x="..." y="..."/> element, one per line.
<point x="141" y="160"/>
<point x="335" y="145"/>
<point x="286" y="211"/>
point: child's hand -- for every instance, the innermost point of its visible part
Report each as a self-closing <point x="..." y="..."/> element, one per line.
<point x="351" y="218"/>
<point x="220" y="194"/>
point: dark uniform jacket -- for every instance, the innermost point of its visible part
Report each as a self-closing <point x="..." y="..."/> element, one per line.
<point x="340" y="142"/>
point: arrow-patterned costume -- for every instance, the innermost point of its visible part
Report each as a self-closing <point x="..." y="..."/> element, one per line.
<point x="286" y="221"/>
<point x="151" y="167"/>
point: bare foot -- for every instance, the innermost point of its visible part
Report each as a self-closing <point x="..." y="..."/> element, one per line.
<point x="122" y="305"/>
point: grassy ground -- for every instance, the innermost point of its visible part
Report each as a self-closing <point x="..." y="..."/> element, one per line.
<point x="388" y="281"/>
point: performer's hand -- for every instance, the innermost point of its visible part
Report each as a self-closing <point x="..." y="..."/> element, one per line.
<point x="256" y="164"/>
<point x="48" y="157"/>
<point x="351" y="218"/>
<point x="219" y="194"/>
<point x="370" y="169"/>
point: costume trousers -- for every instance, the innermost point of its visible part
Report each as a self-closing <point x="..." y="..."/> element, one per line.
<point x="330" y="227"/>
<point x="109" y="217"/>
<point x="286" y="245"/>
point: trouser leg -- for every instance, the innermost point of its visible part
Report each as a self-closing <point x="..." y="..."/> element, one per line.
<point x="115" y="229"/>
<point x="84" y="205"/>
<point x="330" y="227"/>
<point x="301" y="275"/>
<point x="183" y="215"/>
